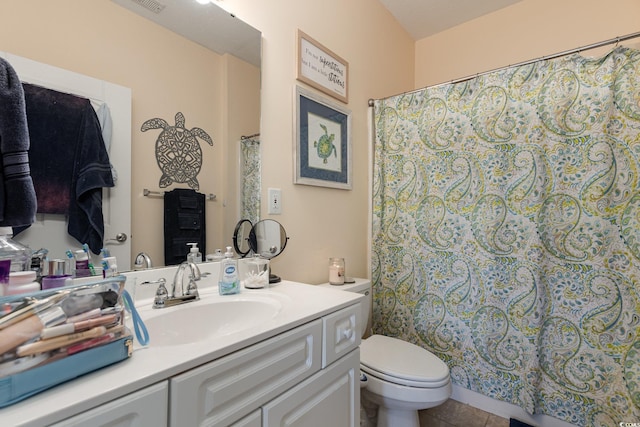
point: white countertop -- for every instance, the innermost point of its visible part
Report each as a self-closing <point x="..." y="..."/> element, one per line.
<point x="301" y="303"/>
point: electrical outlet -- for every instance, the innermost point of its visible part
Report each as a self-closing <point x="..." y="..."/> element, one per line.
<point x="275" y="201"/>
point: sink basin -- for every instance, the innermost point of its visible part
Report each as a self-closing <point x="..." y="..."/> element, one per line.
<point x="200" y="320"/>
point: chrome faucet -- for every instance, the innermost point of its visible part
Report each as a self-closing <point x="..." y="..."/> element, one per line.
<point x="194" y="274"/>
<point x="142" y="261"/>
<point x="165" y="298"/>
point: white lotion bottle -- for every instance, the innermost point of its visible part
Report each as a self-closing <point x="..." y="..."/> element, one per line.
<point x="229" y="282"/>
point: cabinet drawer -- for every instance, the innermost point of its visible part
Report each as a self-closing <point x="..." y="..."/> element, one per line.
<point x="341" y="333"/>
<point x="223" y="391"/>
<point x="146" y="407"/>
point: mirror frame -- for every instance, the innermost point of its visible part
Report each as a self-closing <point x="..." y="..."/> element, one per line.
<point x="241" y="237"/>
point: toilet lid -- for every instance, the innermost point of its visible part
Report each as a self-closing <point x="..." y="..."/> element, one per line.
<point x="402" y="362"/>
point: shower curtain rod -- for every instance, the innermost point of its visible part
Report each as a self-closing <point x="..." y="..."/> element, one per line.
<point x="250" y="136"/>
<point x="531" y="61"/>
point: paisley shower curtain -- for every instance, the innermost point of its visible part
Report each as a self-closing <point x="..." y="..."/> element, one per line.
<point x="506" y="233"/>
<point x="250" y="178"/>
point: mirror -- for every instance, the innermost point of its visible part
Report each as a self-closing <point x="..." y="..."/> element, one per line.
<point x="220" y="31"/>
<point x="208" y="25"/>
<point x="268" y="239"/>
<point x="241" y="237"/>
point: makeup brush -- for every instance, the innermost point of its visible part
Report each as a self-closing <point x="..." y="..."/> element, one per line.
<point x="29" y="328"/>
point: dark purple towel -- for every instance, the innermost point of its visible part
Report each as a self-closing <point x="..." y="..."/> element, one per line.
<point x="17" y="194"/>
<point x="69" y="162"/>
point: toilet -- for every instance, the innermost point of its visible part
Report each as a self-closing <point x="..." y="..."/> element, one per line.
<point x="400" y="378"/>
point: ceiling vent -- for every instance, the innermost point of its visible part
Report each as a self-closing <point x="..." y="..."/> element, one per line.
<point x="151" y="5"/>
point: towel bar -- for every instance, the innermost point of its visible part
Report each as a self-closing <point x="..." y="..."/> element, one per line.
<point x="149" y="193"/>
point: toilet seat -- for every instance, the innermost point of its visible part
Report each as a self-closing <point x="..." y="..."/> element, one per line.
<point x="401" y="362"/>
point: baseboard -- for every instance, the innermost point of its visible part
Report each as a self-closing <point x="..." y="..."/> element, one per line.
<point x="504" y="409"/>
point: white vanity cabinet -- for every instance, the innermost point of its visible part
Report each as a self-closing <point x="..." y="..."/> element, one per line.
<point x="299" y="367"/>
<point x="329" y="398"/>
<point x="225" y="390"/>
<point x="290" y="376"/>
<point x="146" y="407"/>
<point x="254" y="419"/>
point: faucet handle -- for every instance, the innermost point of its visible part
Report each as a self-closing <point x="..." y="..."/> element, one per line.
<point x="192" y="288"/>
<point x="161" y="293"/>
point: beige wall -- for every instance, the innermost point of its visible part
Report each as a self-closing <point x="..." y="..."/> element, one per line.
<point x="99" y="39"/>
<point x="526" y="30"/>
<point x="323" y="222"/>
<point x="168" y="74"/>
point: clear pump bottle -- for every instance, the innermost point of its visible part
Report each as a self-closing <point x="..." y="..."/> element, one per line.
<point x="194" y="254"/>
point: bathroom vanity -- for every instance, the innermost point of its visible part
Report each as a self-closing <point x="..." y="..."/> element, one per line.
<point x="287" y="355"/>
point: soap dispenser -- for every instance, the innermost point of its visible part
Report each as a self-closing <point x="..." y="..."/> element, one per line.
<point x="229" y="282"/>
<point x="194" y="254"/>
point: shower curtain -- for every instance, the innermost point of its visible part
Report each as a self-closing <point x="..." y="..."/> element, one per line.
<point x="250" y="178"/>
<point x="506" y="233"/>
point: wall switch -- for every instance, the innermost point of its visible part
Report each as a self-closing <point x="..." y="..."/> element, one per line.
<point x="275" y="201"/>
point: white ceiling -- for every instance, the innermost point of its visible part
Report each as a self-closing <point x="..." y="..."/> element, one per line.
<point x="206" y="24"/>
<point x="218" y="30"/>
<point x="423" y="18"/>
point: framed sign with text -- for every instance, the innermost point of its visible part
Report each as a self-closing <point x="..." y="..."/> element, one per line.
<point x="321" y="68"/>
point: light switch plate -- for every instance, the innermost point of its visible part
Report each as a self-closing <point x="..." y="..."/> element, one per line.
<point x="275" y="201"/>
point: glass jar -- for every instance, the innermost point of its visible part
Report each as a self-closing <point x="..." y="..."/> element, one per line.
<point x="255" y="273"/>
<point x="336" y="271"/>
<point x="10" y="249"/>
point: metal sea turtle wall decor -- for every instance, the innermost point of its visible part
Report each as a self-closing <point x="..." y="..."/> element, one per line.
<point x="178" y="152"/>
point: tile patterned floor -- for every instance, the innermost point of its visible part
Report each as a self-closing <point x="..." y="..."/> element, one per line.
<point x="456" y="414"/>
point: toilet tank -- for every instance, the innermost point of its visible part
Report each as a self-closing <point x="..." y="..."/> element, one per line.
<point x="360" y="286"/>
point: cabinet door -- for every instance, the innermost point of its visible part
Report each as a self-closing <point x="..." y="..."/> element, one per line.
<point x="254" y="419"/>
<point x="223" y="391"/>
<point x="146" y="407"/>
<point x="329" y="398"/>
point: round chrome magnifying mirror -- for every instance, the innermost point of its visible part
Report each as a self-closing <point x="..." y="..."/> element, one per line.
<point x="241" y="237"/>
<point x="268" y="239"/>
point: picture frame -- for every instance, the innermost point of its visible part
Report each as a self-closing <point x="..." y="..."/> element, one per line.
<point x="322" y="69"/>
<point x="322" y="147"/>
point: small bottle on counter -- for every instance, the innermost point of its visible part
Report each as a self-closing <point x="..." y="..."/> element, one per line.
<point x="109" y="267"/>
<point x="82" y="264"/>
<point x="229" y="282"/>
<point x="57" y="274"/>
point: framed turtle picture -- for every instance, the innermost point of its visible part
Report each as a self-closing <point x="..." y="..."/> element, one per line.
<point x="322" y="148"/>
